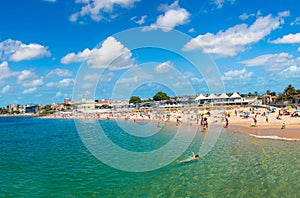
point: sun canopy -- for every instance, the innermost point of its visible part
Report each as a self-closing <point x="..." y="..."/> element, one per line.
<point x="201" y="97"/>
<point x="223" y="96"/>
<point x="212" y="96"/>
<point x="235" y="95"/>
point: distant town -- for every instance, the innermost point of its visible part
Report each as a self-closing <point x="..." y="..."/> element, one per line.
<point x="290" y="96"/>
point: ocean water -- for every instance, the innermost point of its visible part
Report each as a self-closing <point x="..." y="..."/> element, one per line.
<point x="46" y="158"/>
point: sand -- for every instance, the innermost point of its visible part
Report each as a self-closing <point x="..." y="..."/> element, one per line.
<point x="237" y="122"/>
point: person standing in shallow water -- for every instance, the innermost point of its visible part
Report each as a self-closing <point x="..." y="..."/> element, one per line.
<point x="255" y="119"/>
<point x="227" y="122"/>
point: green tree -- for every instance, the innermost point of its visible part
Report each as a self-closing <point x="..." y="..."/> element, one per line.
<point x="135" y="100"/>
<point x="289" y="92"/>
<point x="160" y="96"/>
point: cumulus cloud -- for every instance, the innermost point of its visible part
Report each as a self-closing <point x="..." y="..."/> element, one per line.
<point x="106" y="77"/>
<point x="220" y="3"/>
<point x="17" y="51"/>
<point x="237" y="38"/>
<point x="29" y="90"/>
<point x="164" y="67"/>
<point x="64" y="83"/>
<point x="58" y="94"/>
<point x="28" y="78"/>
<point x="237" y="75"/>
<point x="140" y="21"/>
<point x="296" y="22"/>
<point x="5" y="89"/>
<point x="197" y="80"/>
<point x="97" y="9"/>
<point x="59" y="73"/>
<point x="271" y="62"/>
<point x="112" y="53"/>
<point x="173" y="16"/>
<point x="290" y="72"/>
<point x="5" y="72"/>
<point x="288" y="39"/>
<point x="245" y="16"/>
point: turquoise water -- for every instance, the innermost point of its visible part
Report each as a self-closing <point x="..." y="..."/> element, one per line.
<point x="46" y="158"/>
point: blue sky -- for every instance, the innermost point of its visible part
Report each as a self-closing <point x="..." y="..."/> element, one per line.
<point x="43" y="44"/>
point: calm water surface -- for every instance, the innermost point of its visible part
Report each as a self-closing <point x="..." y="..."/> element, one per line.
<point x="46" y="158"/>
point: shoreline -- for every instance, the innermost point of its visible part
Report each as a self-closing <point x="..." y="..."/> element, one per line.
<point x="290" y="133"/>
<point x="268" y="125"/>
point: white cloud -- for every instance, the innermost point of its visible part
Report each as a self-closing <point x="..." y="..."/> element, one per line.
<point x="58" y="94"/>
<point x="112" y="53"/>
<point x="141" y="21"/>
<point x="292" y="71"/>
<point x="197" y="80"/>
<point x="106" y="77"/>
<point x="164" y="67"/>
<point x="272" y="62"/>
<point x="191" y="30"/>
<point x="17" y="51"/>
<point x="288" y="39"/>
<point x="296" y="22"/>
<point x="28" y="78"/>
<point x="29" y="90"/>
<point x="59" y="72"/>
<point x="5" y="89"/>
<point x="5" y="72"/>
<point x="245" y="16"/>
<point x="237" y="75"/>
<point x="298" y="49"/>
<point x="220" y="3"/>
<point x="129" y="80"/>
<point x="64" y="83"/>
<point x="97" y="9"/>
<point x="237" y="38"/>
<point x="173" y="16"/>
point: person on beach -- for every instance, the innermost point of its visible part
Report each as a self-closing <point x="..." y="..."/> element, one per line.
<point x="255" y="119"/>
<point x="177" y="121"/>
<point x="283" y="126"/>
<point x="205" y="124"/>
<point x="227" y="122"/>
<point x="191" y="158"/>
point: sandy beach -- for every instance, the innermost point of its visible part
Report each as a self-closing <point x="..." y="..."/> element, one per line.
<point x="268" y="124"/>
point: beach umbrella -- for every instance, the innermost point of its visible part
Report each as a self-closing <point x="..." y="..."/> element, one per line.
<point x="297" y="111"/>
<point x="288" y="107"/>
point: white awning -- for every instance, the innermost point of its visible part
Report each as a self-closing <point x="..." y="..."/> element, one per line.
<point x="212" y="96"/>
<point x="223" y="96"/>
<point x="235" y="95"/>
<point x="201" y="97"/>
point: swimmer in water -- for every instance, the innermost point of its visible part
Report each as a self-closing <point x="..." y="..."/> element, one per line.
<point x="191" y="158"/>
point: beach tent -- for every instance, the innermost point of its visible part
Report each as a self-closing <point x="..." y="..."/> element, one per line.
<point x="235" y="95"/>
<point x="212" y="96"/>
<point x="223" y="96"/>
<point x="201" y="97"/>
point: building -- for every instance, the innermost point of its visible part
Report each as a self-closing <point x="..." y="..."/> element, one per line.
<point x="297" y="99"/>
<point x="223" y="99"/>
<point x="102" y="102"/>
<point x="67" y="101"/>
<point x="267" y="99"/>
<point x="31" y="108"/>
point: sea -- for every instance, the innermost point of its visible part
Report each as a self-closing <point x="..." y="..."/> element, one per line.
<point x="48" y="158"/>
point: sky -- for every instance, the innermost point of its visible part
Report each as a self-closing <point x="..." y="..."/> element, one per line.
<point x="103" y="49"/>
